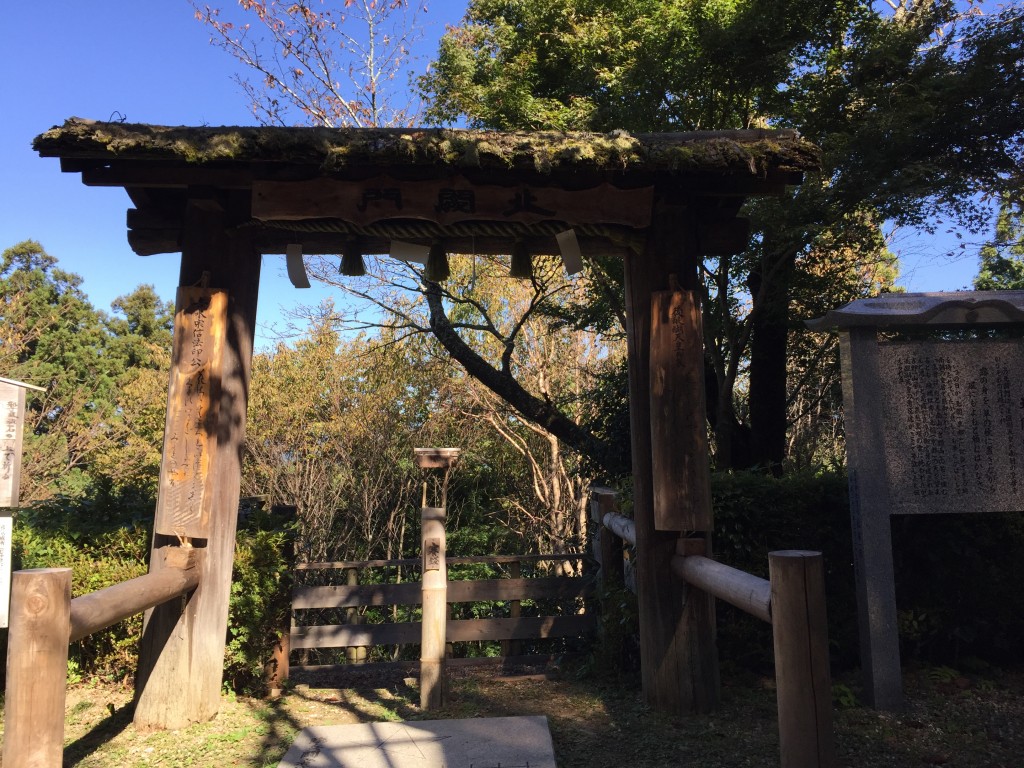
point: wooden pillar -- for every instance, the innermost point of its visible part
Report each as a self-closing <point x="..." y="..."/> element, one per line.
<point x="679" y="659"/>
<point x="802" y="678"/>
<point x="354" y="654"/>
<point x="515" y="611"/>
<point x="435" y="608"/>
<point x="181" y="655"/>
<point x="37" y="668"/>
<point x="603" y="501"/>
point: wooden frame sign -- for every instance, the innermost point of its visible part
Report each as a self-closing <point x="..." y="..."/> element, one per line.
<point x="12" y="430"/>
<point x="200" y="325"/>
<point x="679" y="443"/>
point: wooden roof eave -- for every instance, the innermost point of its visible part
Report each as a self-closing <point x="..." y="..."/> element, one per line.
<point x="125" y="154"/>
<point x="161" y="167"/>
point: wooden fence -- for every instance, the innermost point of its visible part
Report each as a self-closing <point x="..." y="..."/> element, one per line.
<point x="792" y="600"/>
<point x="512" y="588"/>
<point x="44" y="620"/>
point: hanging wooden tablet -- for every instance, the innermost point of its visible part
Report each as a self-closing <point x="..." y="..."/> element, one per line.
<point x="200" y="325"/>
<point x="679" y="443"/>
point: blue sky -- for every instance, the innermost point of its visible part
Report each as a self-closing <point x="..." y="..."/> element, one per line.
<point x="150" y="61"/>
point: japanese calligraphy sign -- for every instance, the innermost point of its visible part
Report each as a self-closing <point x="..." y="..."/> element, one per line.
<point x="432" y="554"/>
<point x="12" y="423"/>
<point x="953" y="425"/>
<point x="12" y="403"/>
<point x="200" y="323"/>
<point x="682" y="482"/>
<point x="933" y="425"/>
<point x="448" y="201"/>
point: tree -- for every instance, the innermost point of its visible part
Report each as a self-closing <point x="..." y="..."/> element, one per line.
<point x="100" y="418"/>
<point x="913" y="108"/>
<point x="332" y="427"/>
<point x="324" y="63"/>
<point x="529" y="377"/>
<point x="1002" y="260"/>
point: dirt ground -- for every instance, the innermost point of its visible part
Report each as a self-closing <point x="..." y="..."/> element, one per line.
<point x="972" y="721"/>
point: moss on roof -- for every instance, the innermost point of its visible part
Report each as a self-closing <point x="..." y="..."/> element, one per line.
<point x="756" y="153"/>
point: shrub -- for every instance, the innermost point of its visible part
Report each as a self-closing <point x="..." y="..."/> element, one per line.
<point x="955" y="574"/>
<point x="260" y="603"/>
<point x="63" y="534"/>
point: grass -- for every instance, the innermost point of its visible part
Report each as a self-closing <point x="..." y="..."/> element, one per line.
<point x="953" y="719"/>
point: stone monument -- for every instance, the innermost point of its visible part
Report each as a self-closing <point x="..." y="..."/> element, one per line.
<point x="933" y="395"/>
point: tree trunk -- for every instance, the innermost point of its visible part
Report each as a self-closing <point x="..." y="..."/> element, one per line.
<point x="770" y="287"/>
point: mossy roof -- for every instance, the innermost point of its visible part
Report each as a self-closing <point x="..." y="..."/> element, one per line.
<point x="754" y="153"/>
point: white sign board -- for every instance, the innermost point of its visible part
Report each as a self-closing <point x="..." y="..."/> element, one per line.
<point x="12" y="422"/>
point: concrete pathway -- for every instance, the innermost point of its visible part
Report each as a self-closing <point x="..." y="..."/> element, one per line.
<point x="490" y="742"/>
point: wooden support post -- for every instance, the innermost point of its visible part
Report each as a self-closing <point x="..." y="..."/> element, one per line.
<point x="37" y="668"/>
<point x="679" y="658"/>
<point x="435" y="608"/>
<point x="613" y="574"/>
<point x="354" y="654"/>
<point x="181" y="655"/>
<point x="869" y="518"/>
<point x="278" y="668"/>
<point x="515" y="611"/>
<point x="603" y="501"/>
<point x="802" y="678"/>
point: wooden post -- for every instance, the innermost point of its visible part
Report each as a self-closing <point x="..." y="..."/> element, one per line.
<point x="278" y="668"/>
<point x="802" y="678"/>
<point x="873" y="569"/>
<point x="679" y="445"/>
<point x="435" y="608"/>
<point x="602" y="502"/>
<point x="679" y="658"/>
<point x="181" y="656"/>
<point x="354" y="654"/>
<point x="515" y="611"/>
<point x="37" y="668"/>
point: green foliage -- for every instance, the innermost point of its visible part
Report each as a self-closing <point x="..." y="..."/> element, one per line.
<point x="616" y="652"/>
<point x="260" y="602"/>
<point x="916" y="107"/>
<point x="100" y="420"/>
<point x="956" y="584"/>
<point x="92" y="540"/>
<point x="1002" y="261"/>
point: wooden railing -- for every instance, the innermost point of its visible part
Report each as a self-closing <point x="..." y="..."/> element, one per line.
<point x="44" y="620"/>
<point x="792" y="600"/>
<point x="510" y="590"/>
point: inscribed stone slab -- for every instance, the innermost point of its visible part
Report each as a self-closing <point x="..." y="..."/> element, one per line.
<point x="494" y="742"/>
<point x="953" y="421"/>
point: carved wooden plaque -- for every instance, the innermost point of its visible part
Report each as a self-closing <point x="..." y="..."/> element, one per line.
<point x="679" y="445"/>
<point x="12" y="424"/>
<point x="200" y="323"/>
<point x="448" y="201"/>
<point x="12" y="414"/>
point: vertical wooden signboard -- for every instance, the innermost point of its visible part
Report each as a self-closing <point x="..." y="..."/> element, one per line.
<point x="679" y="443"/>
<point x="183" y="504"/>
<point x="12" y="403"/>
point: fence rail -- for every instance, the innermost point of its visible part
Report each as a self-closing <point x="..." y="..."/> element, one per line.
<point x="511" y="590"/>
